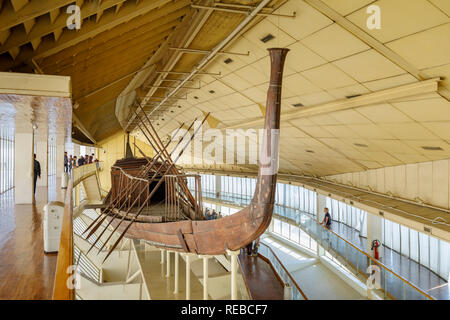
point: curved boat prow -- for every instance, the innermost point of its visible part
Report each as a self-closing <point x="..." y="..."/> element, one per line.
<point x="213" y="237"/>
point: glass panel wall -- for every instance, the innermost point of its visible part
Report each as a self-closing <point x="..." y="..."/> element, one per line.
<point x="426" y="250"/>
<point x="294" y="234"/>
<point x="6" y="160"/>
<point x="350" y="216"/>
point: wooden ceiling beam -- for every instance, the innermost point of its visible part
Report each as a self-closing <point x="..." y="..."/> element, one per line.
<point x="101" y="86"/>
<point x="45" y="26"/>
<point x="11" y="17"/>
<point x="106" y="41"/>
<point x="114" y="59"/>
<point x="18" y="4"/>
<point x="89" y="30"/>
<point x="137" y="46"/>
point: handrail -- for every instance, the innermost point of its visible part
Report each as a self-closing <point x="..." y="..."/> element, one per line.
<point x="61" y="290"/>
<point x="378" y="263"/>
<point x="284" y="268"/>
<point x="65" y="254"/>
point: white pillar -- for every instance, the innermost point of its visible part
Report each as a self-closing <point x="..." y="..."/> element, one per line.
<point x="233" y="255"/>
<point x="76" y="150"/>
<point x="205" y="277"/>
<point x="218" y="185"/>
<point x="177" y="273"/>
<point x="162" y="255"/>
<point x="188" y="276"/>
<point x="374" y="232"/>
<point x="60" y="148"/>
<point x="168" y="265"/>
<point x="42" y="157"/>
<point x="23" y="166"/>
<point x="321" y="204"/>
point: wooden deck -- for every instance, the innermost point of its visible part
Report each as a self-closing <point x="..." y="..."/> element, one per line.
<point x="261" y="280"/>
<point x="26" y="272"/>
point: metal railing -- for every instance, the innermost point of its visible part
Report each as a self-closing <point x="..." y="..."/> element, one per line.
<point x="283" y="273"/>
<point x="86" y="266"/>
<point x="385" y="281"/>
<point x="381" y="279"/>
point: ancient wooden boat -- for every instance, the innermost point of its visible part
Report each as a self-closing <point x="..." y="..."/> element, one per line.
<point x="173" y="218"/>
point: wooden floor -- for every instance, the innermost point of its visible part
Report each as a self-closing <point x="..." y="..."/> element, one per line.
<point x="260" y="278"/>
<point x="25" y="271"/>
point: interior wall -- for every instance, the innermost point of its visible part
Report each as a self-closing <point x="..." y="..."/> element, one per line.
<point x="427" y="180"/>
<point x="113" y="149"/>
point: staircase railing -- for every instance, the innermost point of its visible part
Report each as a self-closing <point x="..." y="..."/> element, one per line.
<point x="381" y="279"/>
<point x="86" y="266"/>
<point x="283" y="273"/>
<point x="64" y="265"/>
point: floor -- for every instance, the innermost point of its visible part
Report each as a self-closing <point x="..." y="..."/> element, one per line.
<point x="260" y="278"/>
<point x="25" y="271"/>
<point x="315" y="280"/>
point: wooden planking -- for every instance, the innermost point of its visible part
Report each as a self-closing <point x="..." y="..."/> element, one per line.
<point x="25" y="271"/>
<point x="260" y="278"/>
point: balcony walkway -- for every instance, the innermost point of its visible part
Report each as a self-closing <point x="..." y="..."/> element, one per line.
<point x="260" y="278"/>
<point x="26" y="272"/>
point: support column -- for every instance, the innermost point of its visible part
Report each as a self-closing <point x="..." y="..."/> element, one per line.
<point x="188" y="276"/>
<point x="233" y="255"/>
<point x="205" y="276"/>
<point x="76" y="150"/>
<point x="42" y="157"/>
<point x="218" y="185"/>
<point x="177" y="273"/>
<point x="168" y="265"/>
<point x="23" y="164"/>
<point x="374" y="232"/>
<point x="162" y="255"/>
<point x="321" y="204"/>
<point x="60" y="148"/>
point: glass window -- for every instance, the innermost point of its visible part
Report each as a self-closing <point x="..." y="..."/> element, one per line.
<point x="277" y="226"/>
<point x="404" y="240"/>
<point x="424" y="249"/>
<point x="414" y="245"/>
<point x="295" y="234"/>
<point x="285" y="229"/>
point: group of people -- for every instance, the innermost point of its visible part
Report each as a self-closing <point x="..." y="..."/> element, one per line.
<point x="252" y="248"/>
<point x="71" y="162"/>
<point x="212" y="215"/>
